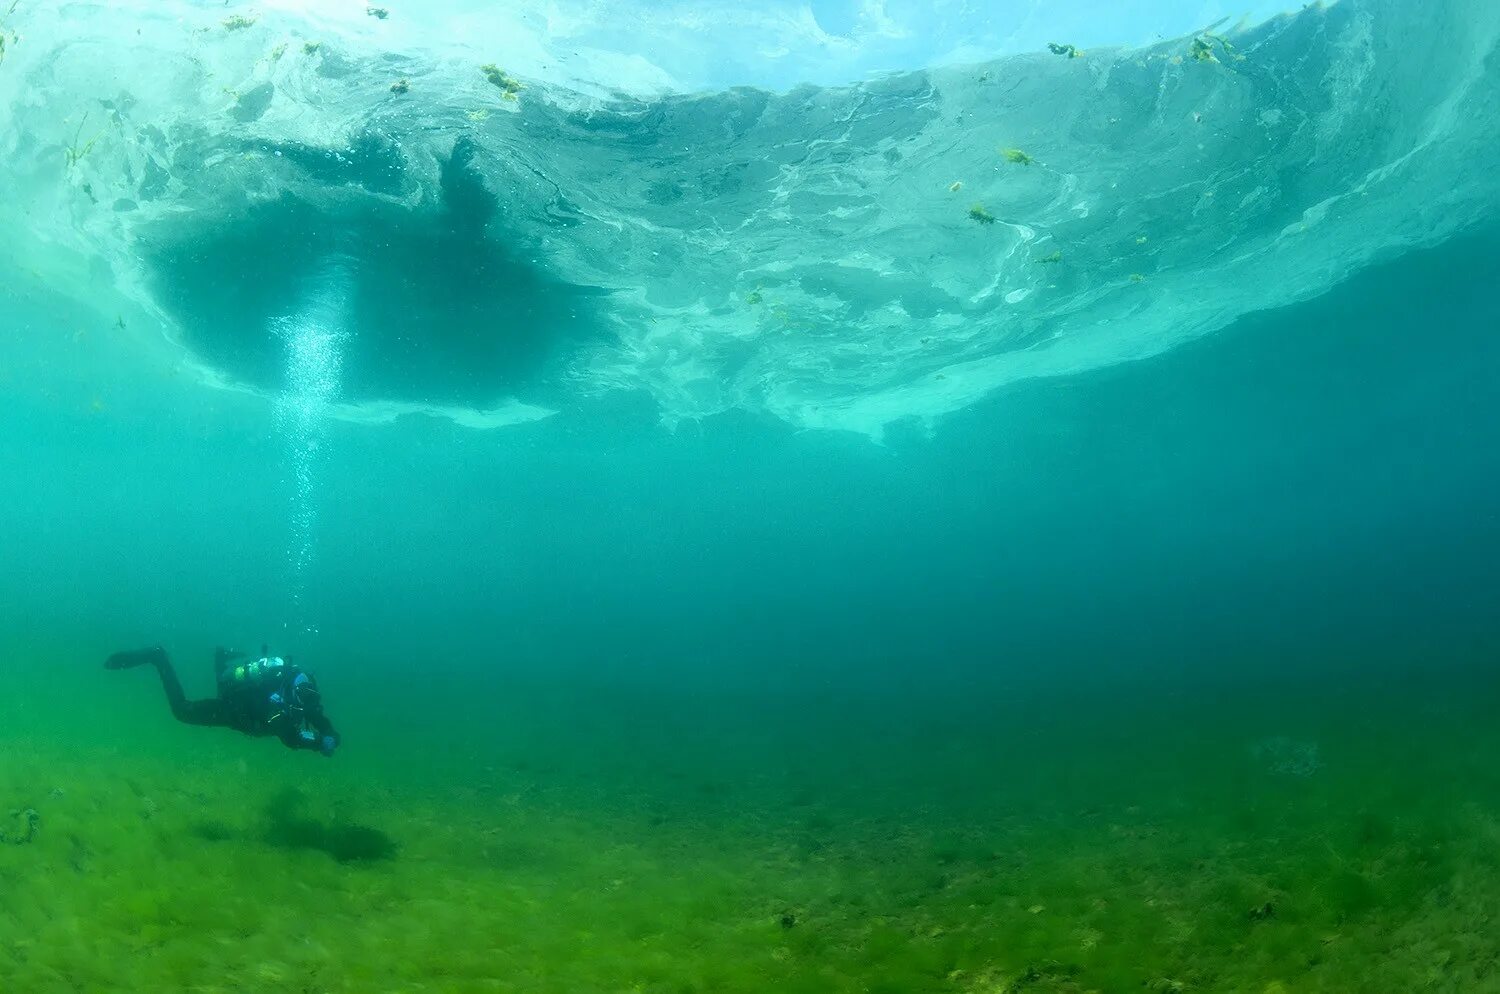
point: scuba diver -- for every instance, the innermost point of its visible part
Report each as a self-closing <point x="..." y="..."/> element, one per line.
<point x="266" y="696"/>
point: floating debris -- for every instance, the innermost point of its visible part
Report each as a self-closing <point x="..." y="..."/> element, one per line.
<point x="978" y="213"/>
<point x="955" y="186"/>
<point x="1067" y="50"/>
<point x="379" y="13"/>
<point x="1054" y="257"/>
<point x="400" y="86"/>
<point x="238" y="22"/>
<point x="499" y="77"/>
<point x="1017" y="156"/>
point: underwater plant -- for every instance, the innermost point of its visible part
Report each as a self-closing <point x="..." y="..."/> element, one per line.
<point x="74" y="153"/>
<point x="238" y="22"/>
<point x="499" y="77"/>
<point x="26" y="821"/>
<point x="309" y="47"/>
<point x="400" y="86"/>
<point x="1017" y="156"/>
<point x="978" y="213"/>
<point x="1201" y="48"/>
<point x="379" y="13"/>
<point x="1067" y="50"/>
<point x="1055" y="256"/>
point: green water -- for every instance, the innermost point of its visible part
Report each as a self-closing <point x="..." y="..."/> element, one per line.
<point x="734" y="562"/>
<point x="1281" y="780"/>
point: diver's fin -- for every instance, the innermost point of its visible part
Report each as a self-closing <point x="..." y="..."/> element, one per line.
<point x="155" y="656"/>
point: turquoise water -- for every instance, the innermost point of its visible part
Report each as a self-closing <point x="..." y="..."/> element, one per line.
<point x="736" y="558"/>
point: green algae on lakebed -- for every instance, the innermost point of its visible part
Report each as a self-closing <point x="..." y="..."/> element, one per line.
<point x="1164" y="851"/>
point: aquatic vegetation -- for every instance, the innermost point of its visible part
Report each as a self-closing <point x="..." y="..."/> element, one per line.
<point x="477" y="115"/>
<point x="238" y="22"/>
<point x="75" y="152"/>
<point x="23" y="824"/>
<point x="978" y="213"/>
<point x="1016" y="156"/>
<point x="309" y="47"/>
<point x="1202" y="48"/>
<point x="1052" y="257"/>
<point x="754" y="297"/>
<point x="379" y="13"/>
<point x="1080" y="885"/>
<point x="400" y="86"/>
<point x="1137" y="277"/>
<point x="508" y="84"/>
<point x="8" y="37"/>
<point x="1067" y="50"/>
<point x="1166" y="985"/>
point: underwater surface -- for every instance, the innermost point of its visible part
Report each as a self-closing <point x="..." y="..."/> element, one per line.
<point x="905" y="496"/>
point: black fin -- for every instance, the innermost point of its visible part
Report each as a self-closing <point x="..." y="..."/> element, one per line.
<point x="155" y="656"/>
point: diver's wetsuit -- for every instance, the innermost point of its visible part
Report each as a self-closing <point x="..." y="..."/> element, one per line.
<point x="260" y="697"/>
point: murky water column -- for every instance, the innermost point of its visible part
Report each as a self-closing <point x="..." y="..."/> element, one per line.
<point x="314" y="340"/>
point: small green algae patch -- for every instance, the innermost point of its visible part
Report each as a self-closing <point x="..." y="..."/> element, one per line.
<point x="509" y="86"/>
<point x="980" y="214"/>
<point x="1016" y="156"/>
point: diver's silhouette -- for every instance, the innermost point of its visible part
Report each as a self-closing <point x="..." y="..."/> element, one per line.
<point x="265" y="696"/>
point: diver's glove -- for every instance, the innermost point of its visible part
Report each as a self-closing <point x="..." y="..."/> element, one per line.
<point x="327" y="745"/>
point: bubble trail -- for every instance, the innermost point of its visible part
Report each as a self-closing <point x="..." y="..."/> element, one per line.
<point x="314" y="340"/>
